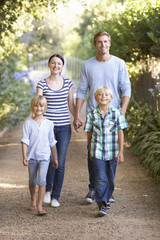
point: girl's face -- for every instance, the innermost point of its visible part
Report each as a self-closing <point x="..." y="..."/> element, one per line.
<point x="38" y="110"/>
<point x="55" y="65"/>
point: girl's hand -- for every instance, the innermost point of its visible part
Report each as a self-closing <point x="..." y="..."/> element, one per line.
<point x="55" y="163"/>
<point x="25" y="162"/>
<point x="120" y="158"/>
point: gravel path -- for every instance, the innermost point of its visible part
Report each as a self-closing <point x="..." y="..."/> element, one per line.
<point x="135" y="214"/>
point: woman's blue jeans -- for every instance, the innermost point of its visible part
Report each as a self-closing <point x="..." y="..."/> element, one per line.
<point x="55" y="176"/>
<point x="104" y="179"/>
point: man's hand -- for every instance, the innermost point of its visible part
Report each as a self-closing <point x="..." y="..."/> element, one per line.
<point x="77" y="123"/>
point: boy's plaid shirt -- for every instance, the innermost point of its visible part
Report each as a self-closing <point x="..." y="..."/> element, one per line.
<point x="104" y="143"/>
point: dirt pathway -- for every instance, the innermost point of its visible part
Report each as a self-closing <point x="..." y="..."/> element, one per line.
<point x="134" y="216"/>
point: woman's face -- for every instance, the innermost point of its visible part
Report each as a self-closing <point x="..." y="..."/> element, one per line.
<point x="55" y="65"/>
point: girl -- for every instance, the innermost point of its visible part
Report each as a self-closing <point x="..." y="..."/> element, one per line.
<point x="59" y="94"/>
<point x="37" y="143"/>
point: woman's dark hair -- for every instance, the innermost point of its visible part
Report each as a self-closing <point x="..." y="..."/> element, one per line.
<point x="56" y="55"/>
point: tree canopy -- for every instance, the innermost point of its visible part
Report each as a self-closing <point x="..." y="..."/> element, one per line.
<point x="16" y="17"/>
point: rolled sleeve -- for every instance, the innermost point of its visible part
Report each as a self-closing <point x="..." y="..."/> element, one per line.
<point x="124" y="82"/>
<point x="25" y="138"/>
<point x="83" y="87"/>
<point x="52" y="140"/>
<point x="122" y="123"/>
<point x="88" y="124"/>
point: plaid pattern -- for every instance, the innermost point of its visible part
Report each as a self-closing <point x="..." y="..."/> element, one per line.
<point x="104" y="143"/>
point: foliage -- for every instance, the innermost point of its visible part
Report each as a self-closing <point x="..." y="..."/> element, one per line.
<point x="43" y="40"/>
<point x="144" y="136"/>
<point x="15" y="98"/>
<point x="134" y="28"/>
<point x="16" y="17"/>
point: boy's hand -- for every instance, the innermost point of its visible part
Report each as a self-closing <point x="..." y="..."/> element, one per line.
<point x="25" y="161"/>
<point x="55" y="163"/>
<point x="120" y="158"/>
<point x="90" y="156"/>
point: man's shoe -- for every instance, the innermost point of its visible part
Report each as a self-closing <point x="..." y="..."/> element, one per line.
<point x="47" y="197"/>
<point x="108" y="206"/>
<point x="102" y="212"/>
<point x="90" y="197"/>
<point x="54" y="203"/>
<point x="112" y="199"/>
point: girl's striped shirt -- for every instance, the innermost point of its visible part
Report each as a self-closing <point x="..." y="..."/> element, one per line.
<point x="57" y="102"/>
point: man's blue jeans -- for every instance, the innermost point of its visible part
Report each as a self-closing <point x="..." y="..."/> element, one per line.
<point x="104" y="179"/>
<point x="55" y="176"/>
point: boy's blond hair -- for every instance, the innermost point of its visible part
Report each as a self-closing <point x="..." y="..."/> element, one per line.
<point x="103" y="89"/>
<point x="41" y="100"/>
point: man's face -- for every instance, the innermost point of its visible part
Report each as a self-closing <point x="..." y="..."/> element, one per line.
<point x="102" y="45"/>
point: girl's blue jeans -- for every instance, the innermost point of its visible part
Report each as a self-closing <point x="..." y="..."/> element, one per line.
<point x="37" y="172"/>
<point x="55" y="176"/>
<point x="104" y="179"/>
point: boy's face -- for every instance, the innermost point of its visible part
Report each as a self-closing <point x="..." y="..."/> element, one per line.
<point x="104" y="98"/>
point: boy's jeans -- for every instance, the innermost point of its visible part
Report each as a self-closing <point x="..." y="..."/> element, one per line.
<point x="104" y="179"/>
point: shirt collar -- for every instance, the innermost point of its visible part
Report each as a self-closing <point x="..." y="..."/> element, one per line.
<point x="111" y="109"/>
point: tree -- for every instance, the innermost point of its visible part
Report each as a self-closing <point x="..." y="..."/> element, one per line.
<point x="16" y="18"/>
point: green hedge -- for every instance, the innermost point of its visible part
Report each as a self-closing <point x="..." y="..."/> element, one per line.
<point x="15" y="97"/>
<point x="144" y="136"/>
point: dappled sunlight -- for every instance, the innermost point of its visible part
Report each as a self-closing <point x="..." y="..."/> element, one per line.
<point x="11" y="186"/>
<point x="79" y="140"/>
<point x="9" y="145"/>
<point x="117" y="188"/>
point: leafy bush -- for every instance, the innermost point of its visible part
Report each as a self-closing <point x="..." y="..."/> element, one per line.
<point x="144" y="136"/>
<point x="15" y="98"/>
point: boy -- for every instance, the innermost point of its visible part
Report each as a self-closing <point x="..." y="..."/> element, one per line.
<point x="104" y="126"/>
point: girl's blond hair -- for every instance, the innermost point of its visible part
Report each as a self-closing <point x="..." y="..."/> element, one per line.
<point x="38" y="100"/>
<point x="103" y="89"/>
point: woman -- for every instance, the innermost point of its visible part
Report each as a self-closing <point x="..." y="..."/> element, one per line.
<point x="59" y="94"/>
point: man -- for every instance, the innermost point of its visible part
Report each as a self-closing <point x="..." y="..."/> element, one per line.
<point x="102" y="70"/>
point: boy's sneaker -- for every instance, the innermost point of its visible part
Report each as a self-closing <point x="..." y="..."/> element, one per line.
<point x="90" y="197"/>
<point x="47" y="197"/>
<point x="102" y="212"/>
<point x="112" y="199"/>
<point x="108" y="206"/>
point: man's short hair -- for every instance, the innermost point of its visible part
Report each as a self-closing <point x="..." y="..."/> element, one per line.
<point x="101" y="33"/>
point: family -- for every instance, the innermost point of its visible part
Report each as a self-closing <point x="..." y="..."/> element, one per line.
<point x="46" y="135"/>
